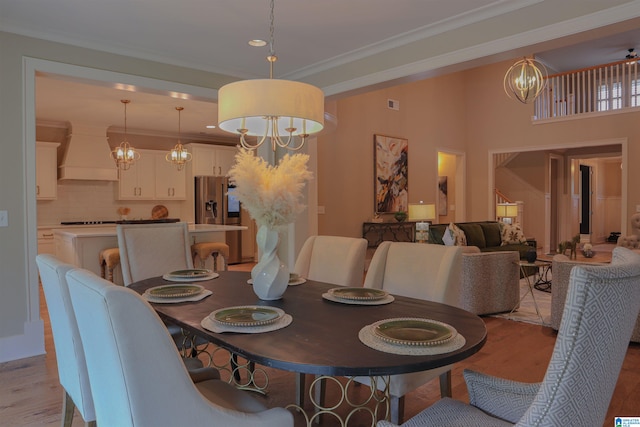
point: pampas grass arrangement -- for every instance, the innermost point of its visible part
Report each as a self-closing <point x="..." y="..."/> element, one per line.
<point x="271" y="194"/>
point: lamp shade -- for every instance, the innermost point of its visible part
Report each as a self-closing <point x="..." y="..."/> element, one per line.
<point x="421" y="211"/>
<point x="246" y="104"/>
<point x="506" y="210"/>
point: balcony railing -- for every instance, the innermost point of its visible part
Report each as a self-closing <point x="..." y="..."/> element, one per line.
<point x="602" y="88"/>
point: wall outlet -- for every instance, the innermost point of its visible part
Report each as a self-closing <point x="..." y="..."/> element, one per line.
<point x="320" y="209"/>
<point x="4" y="219"/>
<point x="637" y="208"/>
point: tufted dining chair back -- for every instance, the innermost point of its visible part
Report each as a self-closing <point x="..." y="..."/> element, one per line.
<point x="72" y="368"/>
<point x="332" y="259"/>
<point x="601" y="309"/>
<point x="417" y="270"/>
<point x="422" y="271"/>
<point x="137" y="376"/>
<point x="149" y="250"/>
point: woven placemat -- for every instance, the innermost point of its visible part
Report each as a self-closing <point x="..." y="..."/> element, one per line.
<point x="369" y="338"/>
<point x="211" y="325"/>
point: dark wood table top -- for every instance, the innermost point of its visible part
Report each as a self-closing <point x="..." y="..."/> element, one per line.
<point x="323" y="337"/>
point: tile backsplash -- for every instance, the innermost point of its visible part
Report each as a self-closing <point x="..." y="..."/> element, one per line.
<point x="97" y="201"/>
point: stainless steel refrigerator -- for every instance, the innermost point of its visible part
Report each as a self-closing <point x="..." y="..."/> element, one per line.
<point x="215" y="204"/>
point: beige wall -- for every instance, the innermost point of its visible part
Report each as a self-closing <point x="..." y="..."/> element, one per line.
<point x="432" y="116"/>
<point x="465" y="111"/>
<point x="21" y="332"/>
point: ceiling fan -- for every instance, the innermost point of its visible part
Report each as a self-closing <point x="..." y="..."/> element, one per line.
<point x="632" y="54"/>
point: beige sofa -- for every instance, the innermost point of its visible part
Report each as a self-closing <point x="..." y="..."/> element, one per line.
<point x="561" y="269"/>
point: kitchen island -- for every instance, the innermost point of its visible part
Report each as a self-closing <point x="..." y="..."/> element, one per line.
<point x="81" y="246"/>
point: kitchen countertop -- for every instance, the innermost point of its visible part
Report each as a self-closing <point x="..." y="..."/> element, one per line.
<point x="110" y="230"/>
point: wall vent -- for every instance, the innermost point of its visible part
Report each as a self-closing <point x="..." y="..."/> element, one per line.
<point x="393" y="104"/>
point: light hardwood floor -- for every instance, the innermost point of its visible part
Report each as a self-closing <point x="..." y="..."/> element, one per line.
<point x="30" y="394"/>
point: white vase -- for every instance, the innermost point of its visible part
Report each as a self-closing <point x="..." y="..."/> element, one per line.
<point x="270" y="277"/>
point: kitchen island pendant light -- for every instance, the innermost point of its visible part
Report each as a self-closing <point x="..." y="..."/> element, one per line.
<point x="284" y="111"/>
<point x="178" y="155"/>
<point x="124" y="155"/>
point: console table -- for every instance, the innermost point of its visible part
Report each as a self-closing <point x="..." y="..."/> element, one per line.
<point x="378" y="232"/>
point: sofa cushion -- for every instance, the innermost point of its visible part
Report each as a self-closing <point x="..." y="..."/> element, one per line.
<point x="474" y="234"/>
<point x="492" y="235"/>
<point x="512" y="234"/>
<point x="436" y="231"/>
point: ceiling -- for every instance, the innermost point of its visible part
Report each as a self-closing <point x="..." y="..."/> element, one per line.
<point x="344" y="47"/>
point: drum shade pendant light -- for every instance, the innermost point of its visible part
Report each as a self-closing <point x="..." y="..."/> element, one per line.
<point x="124" y="154"/>
<point x="284" y="111"/>
<point x="178" y="155"/>
<point x="525" y="80"/>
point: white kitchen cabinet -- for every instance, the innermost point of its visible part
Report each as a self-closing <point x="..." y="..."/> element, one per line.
<point x="225" y="158"/>
<point x="139" y="181"/>
<point x="46" y="244"/>
<point x="152" y="178"/>
<point x="171" y="183"/>
<point x="46" y="170"/>
<point x="213" y="160"/>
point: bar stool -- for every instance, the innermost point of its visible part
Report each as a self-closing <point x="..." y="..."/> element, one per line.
<point x="203" y="250"/>
<point x="109" y="260"/>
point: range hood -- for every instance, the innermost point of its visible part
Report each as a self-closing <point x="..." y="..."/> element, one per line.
<point x="88" y="155"/>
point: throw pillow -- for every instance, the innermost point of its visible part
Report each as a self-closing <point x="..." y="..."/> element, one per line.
<point x="460" y="239"/>
<point x="448" y="238"/>
<point x="512" y="235"/>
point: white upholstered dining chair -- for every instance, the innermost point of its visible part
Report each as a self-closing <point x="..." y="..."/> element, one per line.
<point x="331" y="259"/>
<point x="72" y="369"/>
<point x="601" y="309"/>
<point x="423" y="271"/>
<point x="149" y="250"/>
<point x="136" y="374"/>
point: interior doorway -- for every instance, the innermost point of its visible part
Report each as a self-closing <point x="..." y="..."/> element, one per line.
<point x="450" y="203"/>
<point x="552" y="213"/>
<point x="555" y="192"/>
<point x="585" y="203"/>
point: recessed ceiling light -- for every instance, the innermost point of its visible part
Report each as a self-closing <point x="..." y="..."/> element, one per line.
<point x="257" y="43"/>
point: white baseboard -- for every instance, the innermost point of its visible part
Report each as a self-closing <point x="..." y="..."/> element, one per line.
<point x="31" y="343"/>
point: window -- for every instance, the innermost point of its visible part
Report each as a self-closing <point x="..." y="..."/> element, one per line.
<point x="610" y="95"/>
<point x="635" y="93"/>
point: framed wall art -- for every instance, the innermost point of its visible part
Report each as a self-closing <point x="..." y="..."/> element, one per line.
<point x="442" y="195"/>
<point x="390" y="173"/>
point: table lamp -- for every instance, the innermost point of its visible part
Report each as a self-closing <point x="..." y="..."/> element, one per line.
<point x="421" y="213"/>
<point x="506" y="212"/>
